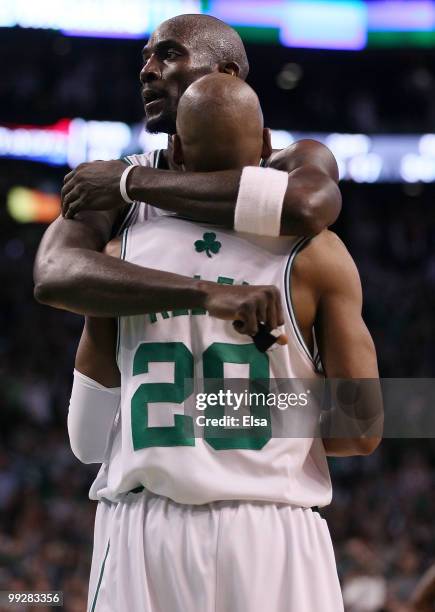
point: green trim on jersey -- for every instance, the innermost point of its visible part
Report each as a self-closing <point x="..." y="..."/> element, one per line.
<point x="100" y="578"/>
<point x="296" y="249"/>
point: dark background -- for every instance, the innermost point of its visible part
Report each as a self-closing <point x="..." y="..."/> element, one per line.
<point x="381" y="518"/>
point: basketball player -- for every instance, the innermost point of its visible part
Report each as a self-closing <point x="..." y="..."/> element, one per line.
<point x="221" y="523"/>
<point x="70" y="273"/>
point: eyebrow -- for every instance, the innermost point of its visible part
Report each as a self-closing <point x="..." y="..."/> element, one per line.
<point x="164" y="44"/>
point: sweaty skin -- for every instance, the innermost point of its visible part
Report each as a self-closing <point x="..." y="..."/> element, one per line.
<point x="70" y="271"/>
<point x="325" y="286"/>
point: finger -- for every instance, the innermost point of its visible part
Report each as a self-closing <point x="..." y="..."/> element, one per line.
<point x="68" y="176"/>
<point x="282" y="339"/>
<point x="251" y="323"/>
<point x="75" y="208"/>
<point x="262" y="312"/>
<point x="68" y="200"/>
<point x="272" y="320"/>
<point x="66" y="189"/>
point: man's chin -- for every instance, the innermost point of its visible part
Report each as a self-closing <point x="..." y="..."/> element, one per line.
<point x="160" y="124"/>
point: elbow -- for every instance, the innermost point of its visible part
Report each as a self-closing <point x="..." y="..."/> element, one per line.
<point x="84" y="456"/>
<point x="85" y="445"/>
<point x="367" y="446"/>
<point x="46" y="292"/>
<point x="311" y="223"/>
<point x="41" y="284"/>
<point x="321" y="209"/>
<point x="42" y="293"/>
<point x="83" y="448"/>
<point x="46" y="287"/>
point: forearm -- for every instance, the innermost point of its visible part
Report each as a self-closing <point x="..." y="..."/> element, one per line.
<point x="203" y="196"/>
<point x="71" y="274"/>
<point x="95" y="284"/>
<point x="311" y="203"/>
<point x="353" y="424"/>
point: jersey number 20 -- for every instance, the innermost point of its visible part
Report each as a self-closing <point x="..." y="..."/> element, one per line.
<point x="182" y="432"/>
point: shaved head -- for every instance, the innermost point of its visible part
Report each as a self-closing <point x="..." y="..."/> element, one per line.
<point x="220" y="124"/>
<point x="209" y="36"/>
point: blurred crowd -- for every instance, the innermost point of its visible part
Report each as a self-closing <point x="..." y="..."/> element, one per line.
<point x="381" y="518"/>
<point x="299" y="89"/>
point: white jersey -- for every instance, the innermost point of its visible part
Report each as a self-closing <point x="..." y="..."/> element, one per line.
<point x="159" y="354"/>
<point x="141" y="211"/>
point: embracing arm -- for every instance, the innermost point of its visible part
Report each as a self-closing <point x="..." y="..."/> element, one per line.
<point x="70" y="273"/>
<point x="348" y="356"/>
<point x="311" y="203"/>
<point x="313" y="199"/>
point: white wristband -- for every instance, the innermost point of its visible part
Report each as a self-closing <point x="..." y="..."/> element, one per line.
<point x="260" y="200"/>
<point x="123" y="185"/>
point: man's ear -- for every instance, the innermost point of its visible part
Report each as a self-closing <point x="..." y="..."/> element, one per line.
<point x="267" y="150"/>
<point x="177" y="151"/>
<point x="232" y="68"/>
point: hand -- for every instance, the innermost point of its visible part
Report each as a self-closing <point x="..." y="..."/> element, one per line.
<point x="92" y="186"/>
<point x="246" y="305"/>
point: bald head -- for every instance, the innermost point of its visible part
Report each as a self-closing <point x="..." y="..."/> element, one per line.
<point x="210" y="37"/>
<point x="220" y="124"/>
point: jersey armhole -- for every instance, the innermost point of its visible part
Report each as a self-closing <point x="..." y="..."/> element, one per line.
<point x="314" y="359"/>
<point x="122" y="256"/>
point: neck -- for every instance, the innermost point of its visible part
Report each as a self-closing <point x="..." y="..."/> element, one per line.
<point x="168" y="155"/>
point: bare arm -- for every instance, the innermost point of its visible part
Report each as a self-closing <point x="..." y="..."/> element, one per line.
<point x="312" y="201"/>
<point x="96" y="353"/>
<point x="70" y="273"/>
<point x="347" y="352"/>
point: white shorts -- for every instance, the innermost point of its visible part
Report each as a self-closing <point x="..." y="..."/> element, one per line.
<point x="154" y="555"/>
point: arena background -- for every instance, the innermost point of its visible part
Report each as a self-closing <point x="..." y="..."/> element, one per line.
<point x="358" y="75"/>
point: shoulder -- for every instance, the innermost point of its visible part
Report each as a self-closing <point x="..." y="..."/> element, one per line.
<point x="327" y="265"/>
<point x="304" y="152"/>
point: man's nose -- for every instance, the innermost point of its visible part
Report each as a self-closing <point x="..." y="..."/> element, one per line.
<point x="151" y="71"/>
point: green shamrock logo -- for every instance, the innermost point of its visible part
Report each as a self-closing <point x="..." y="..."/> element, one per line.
<point x="208" y="243"/>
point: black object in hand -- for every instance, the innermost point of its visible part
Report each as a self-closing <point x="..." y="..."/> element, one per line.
<point x="263" y="339"/>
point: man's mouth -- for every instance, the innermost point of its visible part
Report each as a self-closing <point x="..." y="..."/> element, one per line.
<point x="154" y="105"/>
<point x="152" y="100"/>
